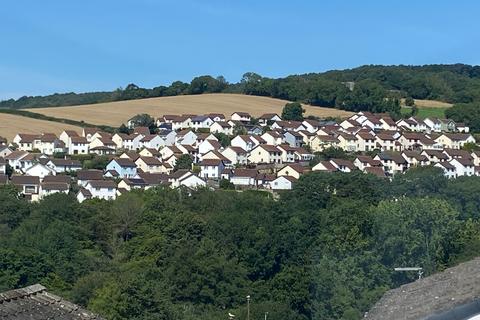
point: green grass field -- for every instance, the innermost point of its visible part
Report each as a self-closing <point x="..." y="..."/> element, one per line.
<point x="426" y="112"/>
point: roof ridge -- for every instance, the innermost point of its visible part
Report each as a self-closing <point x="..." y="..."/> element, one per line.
<point x="21" y="292"/>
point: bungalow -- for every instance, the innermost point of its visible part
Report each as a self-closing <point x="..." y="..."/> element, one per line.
<point x="267" y="119"/>
<point x="221" y="127"/>
<point x="154" y="179"/>
<point x="187" y="179"/>
<point x="102" y="189"/>
<point x="462" y="128"/>
<point x="303" y="155"/>
<point x="244" y="177"/>
<point x="288" y="125"/>
<point x="29" y="186"/>
<point x="292" y="170"/>
<point x="64" y="165"/>
<point x="241" y="116"/>
<point x="211" y="168"/>
<point x="236" y="155"/>
<point x="149" y="164"/>
<point x="265" y="154"/>
<point x="283" y="183"/>
<point x="102" y="150"/>
<point x="124" y="167"/>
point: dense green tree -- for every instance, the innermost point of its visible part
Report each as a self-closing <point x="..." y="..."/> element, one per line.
<point x="183" y="162"/>
<point x="293" y="111"/>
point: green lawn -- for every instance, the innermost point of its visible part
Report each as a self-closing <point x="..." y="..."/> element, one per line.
<point x="426" y="112"/>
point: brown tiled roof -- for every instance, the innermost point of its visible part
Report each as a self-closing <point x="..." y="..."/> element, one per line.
<point x="151" y="161"/>
<point x="23" y="180"/>
<point x="343" y="162"/>
<point x="78" y="139"/>
<point x="55" y="186"/>
<point x="66" y="162"/>
<point x="90" y="174"/>
<point x="28" y="138"/>
<point x="57" y="179"/>
<point x="210" y="162"/>
<point x="124" y="162"/>
<point x="102" y="184"/>
<point x="369" y="160"/>
<point x="251" y="173"/>
<point x="378" y="171"/>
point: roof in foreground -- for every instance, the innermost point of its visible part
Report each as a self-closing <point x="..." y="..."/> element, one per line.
<point x="34" y="302"/>
<point x="432" y="295"/>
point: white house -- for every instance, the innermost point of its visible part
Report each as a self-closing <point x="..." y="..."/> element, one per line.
<point x="265" y="153"/>
<point x="236" y="155"/>
<point x="283" y="183"/>
<point x="78" y="145"/>
<point x="102" y="189"/>
<point x="241" y="116"/>
<point x="221" y="127"/>
<point x="39" y="170"/>
<point x="211" y="168"/>
<point x="209" y="145"/>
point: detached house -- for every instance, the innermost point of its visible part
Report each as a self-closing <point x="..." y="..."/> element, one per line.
<point x="236" y="155"/>
<point x="241" y="116"/>
<point x="78" y="145"/>
<point x="29" y="186"/>
<point x="211" y="168"/>
<point x="149" y="164"/>
<point x="292" y="170"/>
<point x="102" y="189"/>
<point x="343" y="165"/>
<point x="221" y="127"/>
<point x="283" y="183"/>
<point x="393" y="163"/>
<point x="265" y="154"/>
<point x="64" y="165"/>
<point x="463" y="167"/>
<point x="125" y="168"/>
<point x="268" y="119"/>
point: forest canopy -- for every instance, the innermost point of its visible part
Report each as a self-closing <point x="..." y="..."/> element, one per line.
<point x="372" y="88"/>
<point x="325" y="250"/>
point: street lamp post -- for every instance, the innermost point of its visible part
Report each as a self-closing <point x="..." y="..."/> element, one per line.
<point x="266" y="314"/>
<point x="248" y="307"/>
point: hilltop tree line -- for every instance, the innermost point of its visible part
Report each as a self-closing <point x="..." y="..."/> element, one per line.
<point x="367" y="88"/>
<point x="325" y="250"/>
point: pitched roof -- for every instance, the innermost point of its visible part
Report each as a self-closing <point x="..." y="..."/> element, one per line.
<point x="57" y="179"/>
<point x="23" y="180"/>
<point x="343" y="163"/>
<point x="153" y="178"/>
<point x="55" y="186"/>
<point x="90" y="174"/>
<point x="34" y="302"/>
<point x="66" y="162"/>
<point x="378" y="171"/>
<point x="392" y="156"/>
<point x="423" y="298"/>
<point x="150" y="161"/>
<point x="250" y="173"/>
<point x="124" y="162"/>
<point x="210" y="162"/>
<point x="78" y="139"/>
<point x="102" y="184"/>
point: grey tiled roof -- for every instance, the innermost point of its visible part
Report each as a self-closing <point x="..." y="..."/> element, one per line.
<point x="34" y="302"/>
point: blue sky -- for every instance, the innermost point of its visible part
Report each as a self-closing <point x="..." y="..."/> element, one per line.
<point x="61" y="46"/>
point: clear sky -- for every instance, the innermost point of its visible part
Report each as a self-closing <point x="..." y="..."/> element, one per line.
<point x="62" y="45"/>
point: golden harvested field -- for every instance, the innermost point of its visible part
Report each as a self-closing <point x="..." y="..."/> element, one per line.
<point x="116" y="113"/>
<point x="431" y="104"/>
<point x="10" y="125"/>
